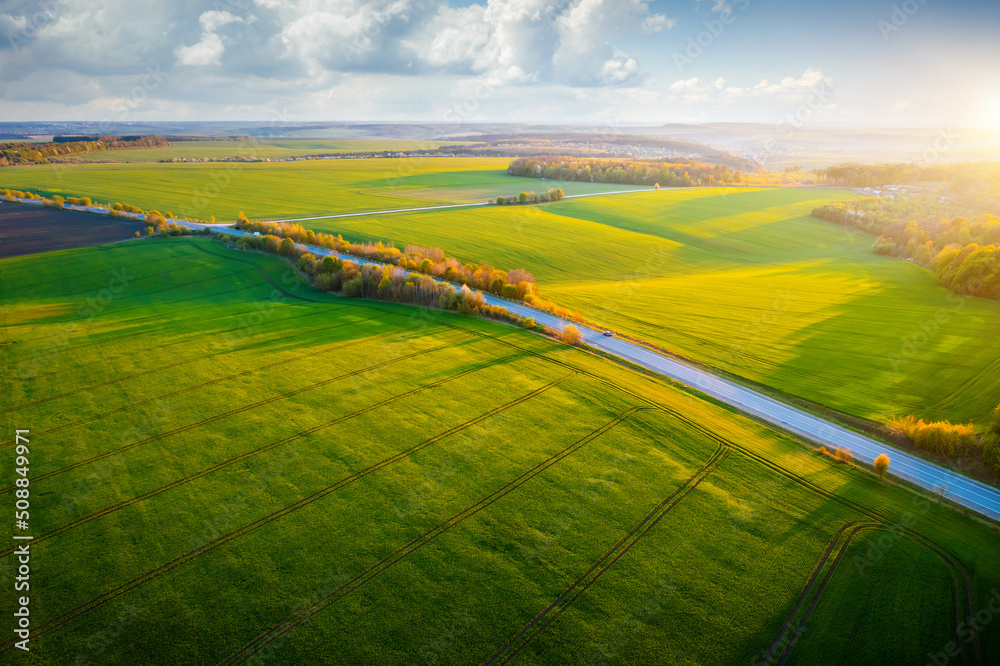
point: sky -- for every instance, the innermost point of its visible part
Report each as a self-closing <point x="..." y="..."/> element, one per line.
<point x="910" y="63"/>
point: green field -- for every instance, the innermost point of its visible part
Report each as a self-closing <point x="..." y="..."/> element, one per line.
<point x="258" y="148"/>
<point x="287" y="189"/>
<point x="215" y="460"/>
<point x="744" y="280"/>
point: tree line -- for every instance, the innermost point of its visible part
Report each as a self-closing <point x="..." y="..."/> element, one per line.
<point x="517" y="284"/>
<point x="12" y="154"/>
<point x="963" y="252"/>
<point x="965" y="176"/>
<point x="386" y="283"/>
<point x="628" y="172"/>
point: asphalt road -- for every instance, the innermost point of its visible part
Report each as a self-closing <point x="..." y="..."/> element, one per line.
<point x="967" y="492"/>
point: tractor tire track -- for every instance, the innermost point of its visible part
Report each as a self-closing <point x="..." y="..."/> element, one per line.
<point x="140" y="352"/>
<point x="218" y="380"/>
<point x="541" y="621"/>
<point x="233" y="412"/>
<point x="383" y="565"/>
<point x="81" y="609"/>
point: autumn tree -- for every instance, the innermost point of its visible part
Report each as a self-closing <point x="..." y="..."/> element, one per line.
<point x="571" y="335"/>
<point x="844" y="455"/>
<point x="881" y="465"/>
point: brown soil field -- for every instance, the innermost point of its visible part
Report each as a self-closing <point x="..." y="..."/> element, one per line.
<point x="29" y="229"/>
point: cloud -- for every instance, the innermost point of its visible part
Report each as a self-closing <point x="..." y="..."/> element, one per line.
<point x="901" y="105"/>
<point x="209" y="49"/>
<point x="810" y="83"/>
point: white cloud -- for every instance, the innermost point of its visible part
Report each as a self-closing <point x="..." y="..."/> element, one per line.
<point x="901" y="105"/>
<point x="685" y="84"/>
<point x="696" y="91"/>
<point x="209" y="49"/>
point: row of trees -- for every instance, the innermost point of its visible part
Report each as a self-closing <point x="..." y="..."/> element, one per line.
<point x="963" y="252"/>
<point x="632" y="172"/>
<point x="552" y="194"/>
<point x="517" y="284"/>
<point x="961" y="177"/>
<point x="12" y="154"/>
<point x="387" y="283"/>
<point x="953" y="440"/>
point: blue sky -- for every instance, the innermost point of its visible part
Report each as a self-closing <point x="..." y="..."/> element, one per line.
<point x="931" y="63"/>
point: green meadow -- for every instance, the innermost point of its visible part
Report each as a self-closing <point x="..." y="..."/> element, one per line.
<point x="744" y="280"/>
<point x="227" y="464"/>
<point x="286" y="189"/>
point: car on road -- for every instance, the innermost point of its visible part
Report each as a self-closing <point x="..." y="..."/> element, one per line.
<point x="608" y="334"/>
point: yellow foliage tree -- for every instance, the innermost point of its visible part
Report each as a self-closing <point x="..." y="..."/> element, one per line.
<point x="571" y="335"/>
<point x="881" y="465"/>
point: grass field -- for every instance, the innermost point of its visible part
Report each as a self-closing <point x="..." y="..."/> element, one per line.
<point x="288" y="189"/>
<point x="258" y="148"/>
<point x="222" y="468"/>
<point x="744" y="280"/>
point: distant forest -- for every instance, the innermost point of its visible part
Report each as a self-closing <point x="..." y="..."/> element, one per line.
<point x="12" y="154"/>
<point x="962" y="177"/>
<point x="631" y="172"/>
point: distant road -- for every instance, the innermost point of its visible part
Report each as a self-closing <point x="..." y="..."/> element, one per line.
<point x="967" y="492"/>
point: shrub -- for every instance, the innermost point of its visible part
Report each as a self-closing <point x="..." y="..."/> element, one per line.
<point x="991" y="451"/>
<point x="571" y="335"/>
<point x="844" y="455"/>
<point x="528" y="324"/>
<point x="941" y="437"/>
